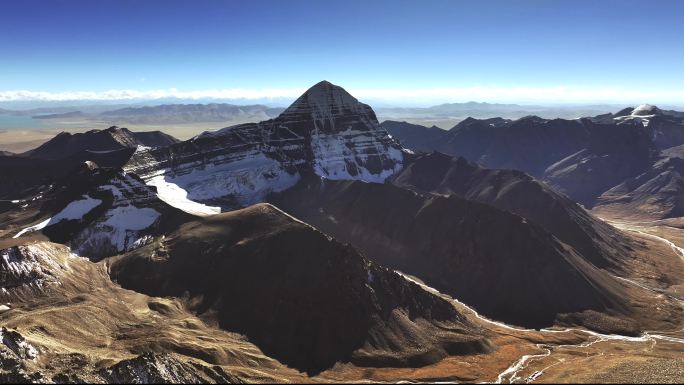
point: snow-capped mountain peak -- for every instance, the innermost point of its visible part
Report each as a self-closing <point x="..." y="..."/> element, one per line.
<point x="641" y="113"/>
<point x="645" y="110"/>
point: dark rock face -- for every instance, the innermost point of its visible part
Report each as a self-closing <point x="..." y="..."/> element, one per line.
<point x="326" y="131"/>
<point x="100" y="212"/>
<point x="113" y="138"/>
<point x="25" y="176"/>
<point x="301" y="296"/>
<point x="613" y="153"/>
<point x="17" y="367"/>
<point x="154" y="138"/>
<point x="17" y="344"/>
<point x="15" y="351"/>
<point x="581" y="158"/>
<point x="519" y="193"/>
<point x="415" y="137"/>
<point x="654" y="194"/>
<point x="508" y="268"/>
<point x="27" y="269"/>
<point x="150" y="368"/>
<point x="667" y="131"/>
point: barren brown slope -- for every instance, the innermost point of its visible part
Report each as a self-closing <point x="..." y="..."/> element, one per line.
<point x="653" y="195"/>
<point x="68" y="323"/>
<point x="506" y="267"/>
<point x="519" y="193"/>
<point x="302" y="297"/>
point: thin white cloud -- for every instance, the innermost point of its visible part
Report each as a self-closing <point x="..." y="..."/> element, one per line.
<point x="559" y="94"/>
<point x="115" y="95"/>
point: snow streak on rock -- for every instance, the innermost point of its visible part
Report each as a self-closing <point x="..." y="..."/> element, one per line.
<point x="75" y="210"/>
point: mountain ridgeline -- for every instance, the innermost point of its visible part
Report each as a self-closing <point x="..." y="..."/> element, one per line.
<point x="602" y="162"/>
<point x="113" y="138"/>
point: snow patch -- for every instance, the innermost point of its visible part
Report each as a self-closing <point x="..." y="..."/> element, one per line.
<point x="248" y="180"/>
<point x="77" y="209"/>
<point x="644" y="109"/>
<point x="17" y="344"/>
<point x="28" y="267"/>
<point x="346" y="155"/>
<point x="642" y="113"/>
<point x="118" y="232"/>
<point x="175" y="196"/>
<point x="74" y="210"/>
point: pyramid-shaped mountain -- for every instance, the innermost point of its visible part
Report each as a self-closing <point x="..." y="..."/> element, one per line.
<point x="326" y="131"/>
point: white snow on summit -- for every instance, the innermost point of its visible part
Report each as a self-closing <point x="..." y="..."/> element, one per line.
<point x="644" y="109"/>
<point x="334" y="154"/>
<point x="641" y="113"/>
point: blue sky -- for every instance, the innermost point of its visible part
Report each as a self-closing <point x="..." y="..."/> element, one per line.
<point x="572" y="51"/>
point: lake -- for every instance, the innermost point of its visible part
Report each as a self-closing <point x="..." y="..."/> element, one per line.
<point x="18" y="122"/>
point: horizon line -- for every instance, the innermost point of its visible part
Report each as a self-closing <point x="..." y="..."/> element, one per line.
<point x="435" y="95"/>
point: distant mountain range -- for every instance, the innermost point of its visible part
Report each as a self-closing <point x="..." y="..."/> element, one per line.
<point x="622" y="162"/>
<point x="460" y="111"/>
<point x="169" y="114"/>
<point x="443" y="115"/>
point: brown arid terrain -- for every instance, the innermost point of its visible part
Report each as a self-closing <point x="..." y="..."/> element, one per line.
<point x="75" y="324"/>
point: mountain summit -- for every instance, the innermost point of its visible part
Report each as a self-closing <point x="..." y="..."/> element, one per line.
<point x="113" y="138"/>
<point x="344" y="138"/>
<point x="326" y="132"/>
<point x="324" y="102"/>
<point x="646" y="110"/>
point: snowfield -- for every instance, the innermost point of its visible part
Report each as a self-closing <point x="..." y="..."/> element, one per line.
<point x="248" y="179"/>
<point x="175" y="196"/>
<point x="75" y="210"/>
<point x="118" y="232"/>
<point x="335" y="153"/>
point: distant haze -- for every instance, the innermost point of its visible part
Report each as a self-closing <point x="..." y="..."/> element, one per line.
<point x="390" y="97"/>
